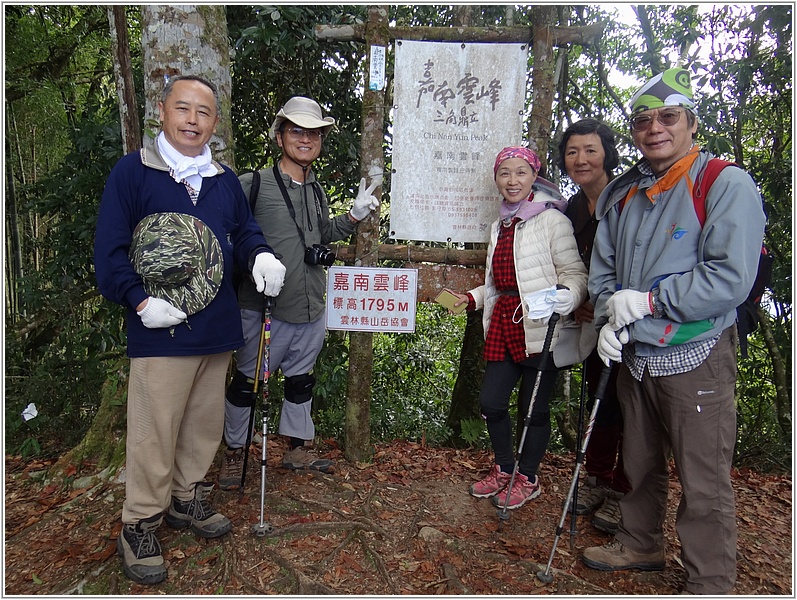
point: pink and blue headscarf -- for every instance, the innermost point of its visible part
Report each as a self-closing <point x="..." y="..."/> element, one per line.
<point x="529" y="209"/>
<point x="517" y="152"/>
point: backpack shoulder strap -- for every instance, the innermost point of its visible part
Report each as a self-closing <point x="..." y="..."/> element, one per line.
<point x="254" y="189"/>
<point x="703" y="182"/>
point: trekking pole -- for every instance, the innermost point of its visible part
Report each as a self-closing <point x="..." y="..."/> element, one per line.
<point x="503" y="515"/>
<point x="546" y="576"/>
<point x="261" y="528"/>
<point x="261" y="371"/>
<point x="574" y="503"/>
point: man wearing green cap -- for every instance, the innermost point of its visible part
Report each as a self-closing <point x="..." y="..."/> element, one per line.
<point x="665" y="285"/>
<point x="171" y="224"/>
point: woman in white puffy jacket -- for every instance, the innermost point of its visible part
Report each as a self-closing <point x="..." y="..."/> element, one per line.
<point x="532" y="248"/>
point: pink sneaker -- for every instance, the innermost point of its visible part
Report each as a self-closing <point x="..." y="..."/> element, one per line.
<point x="522" y="491"/>
<point x="495" y="481"/>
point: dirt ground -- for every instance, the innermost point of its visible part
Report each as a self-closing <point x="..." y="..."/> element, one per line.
<point x="403" y="524"/>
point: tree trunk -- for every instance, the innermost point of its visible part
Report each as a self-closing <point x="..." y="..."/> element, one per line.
<point x="13" y="243"/>
<point x="125" y="87"/>
<point x="780" y="376"/>
<point x="188" y="40"/>
<point x="358" y="404"/>
<point x="465" y="395"/>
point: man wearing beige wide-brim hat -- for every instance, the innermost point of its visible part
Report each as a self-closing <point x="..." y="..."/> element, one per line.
<point x="291" y="208"/>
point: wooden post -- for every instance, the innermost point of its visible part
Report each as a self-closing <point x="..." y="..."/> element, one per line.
<point x="358" y="403"/>
<point x="542" y="81"/>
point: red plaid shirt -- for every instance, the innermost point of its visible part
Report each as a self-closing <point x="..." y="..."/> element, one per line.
<point x="504" y="335"/>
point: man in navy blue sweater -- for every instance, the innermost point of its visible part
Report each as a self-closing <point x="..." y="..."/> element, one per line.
<point x="172" y="223"/>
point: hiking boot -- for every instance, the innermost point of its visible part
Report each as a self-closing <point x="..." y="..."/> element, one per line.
<point x="305" y="458"/>
<point x="141" y="552"/>
<point x="488" y="487"/>
<point x="232" y="469"/>
<point x="523" y="490"/>
<point x="198" y="514"/>
<point x="607" y="518"/>
<point x="616" y="557"/>
<point x="590" y="496"/>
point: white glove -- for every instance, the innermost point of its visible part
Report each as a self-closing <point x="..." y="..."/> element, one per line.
<point x="268" y="274"/>
<point x="610" y="344"/>
<point x="365" y="201"/>
<point x="565" y="302"/>
<point x="626" y="306"/>
<point x="159" y="313"/>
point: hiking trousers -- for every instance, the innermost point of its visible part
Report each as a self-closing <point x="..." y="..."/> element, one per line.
<point x="693" y="416"/>
<point x="175" y="418"/>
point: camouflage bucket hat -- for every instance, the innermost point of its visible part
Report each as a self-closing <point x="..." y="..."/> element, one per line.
<point x="179" y="260"/>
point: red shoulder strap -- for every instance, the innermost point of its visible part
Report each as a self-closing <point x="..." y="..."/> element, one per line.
<point x="705" y="179"/>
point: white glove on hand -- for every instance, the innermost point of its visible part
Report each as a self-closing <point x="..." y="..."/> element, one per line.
<point x="268" y="274"/>
<point x="365" y="201"/>
<point x="159" y="313"/>
<point x="610" y="344"/>
<point x="626" y="306"/>
<point x="565" y="302"/>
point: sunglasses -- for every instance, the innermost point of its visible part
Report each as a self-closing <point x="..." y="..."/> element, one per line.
<point x="668" y="118"/>
<point x="300" y="132"/>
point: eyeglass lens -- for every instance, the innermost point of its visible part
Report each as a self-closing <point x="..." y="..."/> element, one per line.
<point x="667" y="118"/>
<point x="299" y="132"/>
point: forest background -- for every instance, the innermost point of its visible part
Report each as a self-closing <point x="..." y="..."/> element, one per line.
<point x="64" y="345"/>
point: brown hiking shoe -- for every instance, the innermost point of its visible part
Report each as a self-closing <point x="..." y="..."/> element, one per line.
<point x="607" y="517"/>
<point x="232" y="469"/>
<point x="305" y="458"/>
<point x="590" y="495"/>
<point x="616" y="557"/>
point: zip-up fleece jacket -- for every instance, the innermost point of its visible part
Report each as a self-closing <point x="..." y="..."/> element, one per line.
<point x="545" y="255"/>
<point x="140" y="185"/>
<point x="656" y="241"/>
<point x="302" y="297"/>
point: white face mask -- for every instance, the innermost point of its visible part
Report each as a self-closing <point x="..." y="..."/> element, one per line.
<point x="539" y="304"/>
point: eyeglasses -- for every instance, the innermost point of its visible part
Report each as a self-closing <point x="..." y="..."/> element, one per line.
<point x="668" y="118"/>
<point x="301" y="132"/>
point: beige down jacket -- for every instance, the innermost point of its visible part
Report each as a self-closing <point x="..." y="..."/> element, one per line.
<point x="545" y="255"/>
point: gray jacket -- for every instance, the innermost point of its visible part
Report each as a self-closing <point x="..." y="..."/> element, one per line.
<point x="302" y="297"/>
<point x="657" y="243"/>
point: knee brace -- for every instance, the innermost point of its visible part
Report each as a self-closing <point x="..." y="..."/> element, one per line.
<point x="493" y="415"/>
<point x="239" y="391"/>
<point x="299" y="388"/>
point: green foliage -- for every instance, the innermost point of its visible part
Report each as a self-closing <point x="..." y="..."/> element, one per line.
<point x="474" y="432"/>
<point x="760" y="441"/>
<point x="413" y="375"/>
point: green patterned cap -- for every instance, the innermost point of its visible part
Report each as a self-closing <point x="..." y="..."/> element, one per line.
<point x="673" y="87"/>
<point x="179" y="260"/>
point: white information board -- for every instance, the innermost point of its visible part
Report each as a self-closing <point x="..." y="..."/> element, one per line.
<point x="456" y="106"/>
<point x="371" y="299"/>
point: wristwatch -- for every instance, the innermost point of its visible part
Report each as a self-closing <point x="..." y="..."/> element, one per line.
<point x="658" y="307"/>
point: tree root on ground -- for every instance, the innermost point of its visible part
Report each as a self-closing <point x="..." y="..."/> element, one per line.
<point x="453" y="582"/>
<point x="380" y="563"/>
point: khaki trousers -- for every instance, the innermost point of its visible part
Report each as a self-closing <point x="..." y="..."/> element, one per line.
<point x="175" y="418"/>
<point x="693" y="416"/>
